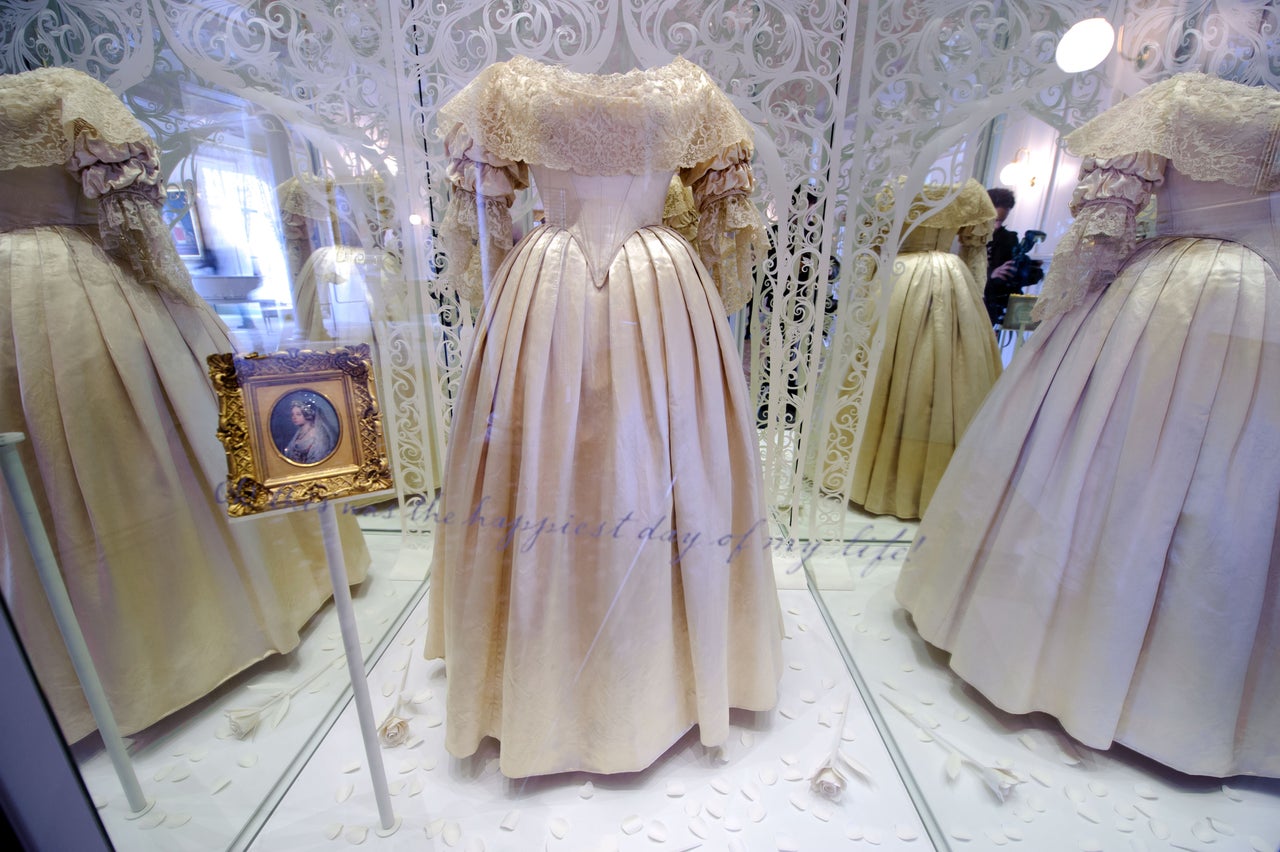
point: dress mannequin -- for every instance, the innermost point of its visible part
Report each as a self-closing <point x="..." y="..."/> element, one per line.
<point x="1103" y="547"/>
<point x="103" y="343"/>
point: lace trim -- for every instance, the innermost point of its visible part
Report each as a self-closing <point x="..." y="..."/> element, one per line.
<point x="678" y="211"/>
<point x="942" y="205"/>
<point x="660" y="119"/>
<point x="1106" y="204"/>
<point x="472" y="221"/>
<point x="731" y="238"/>
<point x="42" y="112"/>
<point x="1209" y="128"/>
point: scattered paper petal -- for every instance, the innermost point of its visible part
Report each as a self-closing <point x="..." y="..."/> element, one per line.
<point x="962" y="834"/>
<point x="1036" y="804"/>
<point x="720" y="785"/>
<point x="853" y="831"/>
<point x="1076" y="795"/>
<point x="395" y="787"/>
<point x="1012" y="832"/>
<point x="905" y="832"/>
<point x="344" y="792"/>
<point x="788" y="711"/>
<point x="715" y="808"/>
<point x="874" y="837"/>
<point x="476" y="844"/>
<point x="657" y="832"/>
<point x="751" y="792"/>
<point x="351" y="766"/>
<point x="768" y="777"/>
<point x="415" y="787"/>
<point x="177" y="820"/>
<point x="198" y="755"/>
<point x="1097" y="788"/>
<point x="996" y="836"/>
<point x="822" y="811"/>
<point x="453" y="833"/>
<point x="1028" y="741"/>
<point x="151" y="821"/>
<point x="1086" y="812"/>
<point x="828" y="683"/>
<point x="1145" y="791"/>
<point x="675" y="789"/>
<point x="1159" y="830"/>
<point x="953" y="766"/>
<point x="1232" y="793"/>
<point x="789" y="759"/>
<point x="1044" y="779"/>
<point x="407" y="766"/>
<point x="796" y="665"/>
<point x="699" y="828"/>
<point x="587" y="790"/>
<point x="100" y="802"/>
<point x="748" y="738"/>
<point x="432" y="720"/>
<point x="961" y="716"/>
<point x="163" y="773"/>
<point x="428" y="763"/>
<point x="1126" y="810"/>
<point x="793" y="774"/>
<point x="332" y="830"/>
<point x="1202" y="831"/>
<point x="798" y="802"/>
<point x="388" y="689"/>
<point x="1090" y="844"/>
<point x="1258" y="844"/>
<point x="732" y="823"/>
<point x="808" y="696"/>
<point x="356" y="834"/>
<point x="632" y="824"/>
<point x="559" y="827"/>
<point x="219" y="785"/>
<point x="1221" y="827"/>
<point x="248" y="761"/>
<point x="757" y="813"/>
<point x="786" y="844"/>
<point x="692" y="808"/>
<point x="182" y="773"/>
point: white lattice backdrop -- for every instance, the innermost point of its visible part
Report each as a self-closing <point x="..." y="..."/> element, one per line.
<point x="845" y="96"/>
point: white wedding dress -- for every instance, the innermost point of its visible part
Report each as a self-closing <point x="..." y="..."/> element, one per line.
<point x="102" y="365"/>
<point x="600" y="581"/>
<point x="1103" y="546"/>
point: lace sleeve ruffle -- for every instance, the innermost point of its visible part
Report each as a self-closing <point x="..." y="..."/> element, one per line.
<point x="1106" y="204"/>
<point x="973" y="250"/>
<point x="125" y="179"/>
<point x="730" y="234"/>
<point x="476" y="231"/>
<point x="679" y="212"/>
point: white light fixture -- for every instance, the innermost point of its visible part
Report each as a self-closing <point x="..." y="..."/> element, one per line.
<point x="1085" y="45"/>
<point x="415" y="219"/>
<point x="1018" y="172"/>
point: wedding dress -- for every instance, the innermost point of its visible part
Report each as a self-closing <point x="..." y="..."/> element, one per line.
<point x="940" y="356"/>
<point x="601" y="581"/>
<point x="102" y="365"/>
<point x="1103" y="546"/>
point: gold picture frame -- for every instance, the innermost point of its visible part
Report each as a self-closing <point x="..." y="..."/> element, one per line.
<point x="298" y="427"/>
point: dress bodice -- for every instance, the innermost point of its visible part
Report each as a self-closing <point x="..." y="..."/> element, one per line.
<point x="1195" y="208"/>
<point x="50" y="196"/>
<point x="925" y="238"/>
<point x="601" y="210"/>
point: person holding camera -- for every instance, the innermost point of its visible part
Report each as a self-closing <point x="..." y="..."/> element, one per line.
<point x="1010" y="268"/>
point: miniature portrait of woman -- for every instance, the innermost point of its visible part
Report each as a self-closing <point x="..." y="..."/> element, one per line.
<point x="309" y="431"/>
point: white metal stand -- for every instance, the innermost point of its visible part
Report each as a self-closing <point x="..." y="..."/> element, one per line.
<point x="60" y="602"/>
<point x="355" y="668"/>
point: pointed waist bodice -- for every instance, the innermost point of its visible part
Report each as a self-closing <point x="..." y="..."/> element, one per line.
<point x="46" y="195"/>
<point x="601" y="211"/>
<point x="1193" y="208"/>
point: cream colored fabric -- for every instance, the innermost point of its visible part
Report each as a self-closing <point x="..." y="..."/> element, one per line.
<point x="106" y="376"/>
<point x="1210" y="129"/>
<point x="601" y="582"/>
<point x="672" y="118"/>
<point x="940" y="355"/>
<point x="1103" y="546"/>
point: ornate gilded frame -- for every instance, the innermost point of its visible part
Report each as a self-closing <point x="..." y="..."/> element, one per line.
<point x="258" y="403"/>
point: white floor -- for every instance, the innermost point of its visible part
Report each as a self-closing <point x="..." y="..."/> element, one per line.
<point x="752" y="794"/>
<point x="1069" y="797"/>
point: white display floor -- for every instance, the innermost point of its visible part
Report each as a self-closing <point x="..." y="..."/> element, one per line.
<point x="1070" y="797"/>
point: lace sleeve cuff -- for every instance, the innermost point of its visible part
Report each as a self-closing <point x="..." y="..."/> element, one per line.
<point x="1106" y="204"/>
<point x="125" y="178"/>
<point x="730" y="233"/>
<point x="476" y="231"/>
<point x="973" y="251"/>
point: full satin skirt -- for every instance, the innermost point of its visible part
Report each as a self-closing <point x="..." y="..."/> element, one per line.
<point x="940" y="359"/>
<point x="1103" y="545"/>
<point x="601" y="580"/>
<point x="107" y="379"/>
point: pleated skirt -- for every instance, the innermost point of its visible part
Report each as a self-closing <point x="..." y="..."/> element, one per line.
<point x="1103" y="545"/>
<point x="601" y="578"/>
<point x="107" y="379"/>
<point x="940" y="359"/>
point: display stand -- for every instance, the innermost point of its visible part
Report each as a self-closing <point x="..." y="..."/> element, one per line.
<point x="60" y="602"/>
<point x="388" y="821"/>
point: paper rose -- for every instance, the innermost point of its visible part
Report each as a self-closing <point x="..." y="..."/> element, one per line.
<point x="393" y="731"/>
<point x="243" y="722"/>
<point x="828" y="781"/>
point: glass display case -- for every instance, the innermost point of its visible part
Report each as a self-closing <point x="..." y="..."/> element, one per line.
<point x="305" y="182"/>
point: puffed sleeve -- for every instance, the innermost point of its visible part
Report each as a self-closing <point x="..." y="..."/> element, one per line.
<point x="476" y="231"/>
<point x="730" y="233"/>
<point x="125" y="179"/>
<point x="1106" y="204"/>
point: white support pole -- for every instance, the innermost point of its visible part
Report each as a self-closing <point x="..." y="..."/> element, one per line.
<point x="355" y="666"/>
<point x="60" y="602"/>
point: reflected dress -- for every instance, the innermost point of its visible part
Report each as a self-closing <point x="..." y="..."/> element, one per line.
<point x="940" y="356"/>
<point x="102" y="366"/>
<point x="1103" y="547"/>
<point x="601" y="581"/>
